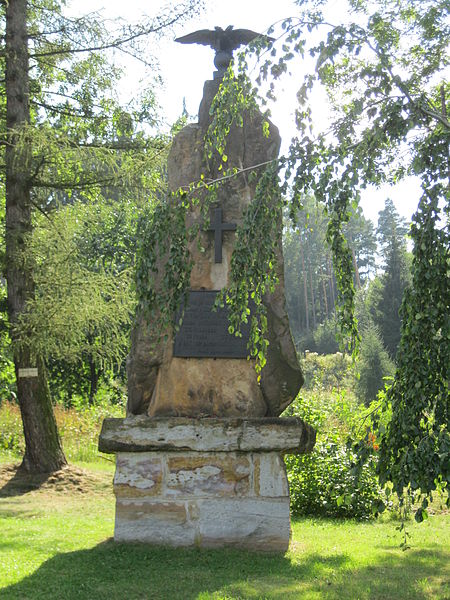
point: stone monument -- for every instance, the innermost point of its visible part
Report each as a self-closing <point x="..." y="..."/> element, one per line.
<point x="199" y="455"/>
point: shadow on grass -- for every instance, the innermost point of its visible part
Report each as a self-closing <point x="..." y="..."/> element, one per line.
<point x="134" y="571"/>
<point x="18" y="482"/>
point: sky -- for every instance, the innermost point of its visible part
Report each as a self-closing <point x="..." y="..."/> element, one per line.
<point x="185" y="68"/>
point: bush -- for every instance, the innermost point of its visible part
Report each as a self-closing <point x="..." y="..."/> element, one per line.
<point x="325" y="337"/>
<point x="324" y="483"/>
<point x="322" y="339"/>
<point x="328" y="372"/>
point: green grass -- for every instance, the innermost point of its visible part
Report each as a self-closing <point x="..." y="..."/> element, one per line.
<point x="55" y="542"/>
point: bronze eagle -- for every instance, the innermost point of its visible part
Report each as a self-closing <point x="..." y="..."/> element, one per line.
<point x="223" y="41"/>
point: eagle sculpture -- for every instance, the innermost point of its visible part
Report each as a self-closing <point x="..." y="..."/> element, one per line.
<point x="223" y="41"/>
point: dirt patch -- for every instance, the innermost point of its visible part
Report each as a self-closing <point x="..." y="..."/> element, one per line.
<point x="70" y="480"/>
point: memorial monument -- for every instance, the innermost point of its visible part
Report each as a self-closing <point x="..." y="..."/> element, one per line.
<point x="199" y="455"/>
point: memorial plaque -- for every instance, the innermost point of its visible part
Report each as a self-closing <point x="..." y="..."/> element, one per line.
<point x="204" y="332"/>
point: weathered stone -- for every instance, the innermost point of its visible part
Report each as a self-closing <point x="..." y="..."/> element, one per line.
<point x="269" y="476"/>
<point x="254" y="523"/>
<point x="210" y="499"/>
<point x="142" y="434"/>
<point x="153" y="521"/>
<point x="162" y="385"/>
<point x="207" y="474"/>
<point x="204" y="387"/>
<point x="137" y="474"/>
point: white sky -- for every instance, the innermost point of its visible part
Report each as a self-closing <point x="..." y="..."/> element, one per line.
<point x="184" y="69"/>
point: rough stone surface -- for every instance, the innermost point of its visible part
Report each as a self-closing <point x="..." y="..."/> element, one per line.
<point x="210" y="499"/>
<point x="143" y="434"/>
<point x="162" y="385"/>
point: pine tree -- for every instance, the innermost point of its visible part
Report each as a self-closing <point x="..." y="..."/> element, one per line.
<point x="391" y="232"/>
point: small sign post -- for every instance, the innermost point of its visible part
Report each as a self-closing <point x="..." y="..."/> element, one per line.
<point x="28" y="372"/>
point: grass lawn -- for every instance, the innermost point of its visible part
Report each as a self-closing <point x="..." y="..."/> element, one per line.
<point x="55" y="542"/>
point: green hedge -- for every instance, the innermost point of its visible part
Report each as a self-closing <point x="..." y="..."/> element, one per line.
<point x="324" y="483"/>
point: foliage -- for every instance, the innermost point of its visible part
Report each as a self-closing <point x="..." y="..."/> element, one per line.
<point x="373" y="365"/>
<point x="11" y="436"/>
<point x="325" y="483"/>
<point x="390" y="225"/>
<point x="161" y="287"/>
<point x="7" y="374"/>
<point x="393" y="281"/>
<point x="415" y="447"/>
<point x="88" y="289"/>
<point x="385" y="308"/>
<point x="325" y="337"/>
<point x="309" y="276"/>
<point x="332" y="371"/>
<point x="389" y="113"/>
<point x="253" y="262"/>
<point x="411" y="419"/>
<point x="384" y="72"/>
<point x="79" y="428"/>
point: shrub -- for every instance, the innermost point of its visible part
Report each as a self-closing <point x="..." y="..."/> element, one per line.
<point x="325" y="337"/>
<point x="328" y="372"/>
<point x="325" y="483"/>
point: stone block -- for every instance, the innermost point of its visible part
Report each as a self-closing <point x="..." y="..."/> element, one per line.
<point x="269" y="476"/>
<point x="207" y="474"/>
<point x="175" y="434"/>
<point x="252" y="523"/>
<point x="138" y="474"/>
<point x="153" y="521"/>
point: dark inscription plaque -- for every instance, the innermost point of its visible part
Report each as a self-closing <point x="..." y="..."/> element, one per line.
<point x="204" y="332"/>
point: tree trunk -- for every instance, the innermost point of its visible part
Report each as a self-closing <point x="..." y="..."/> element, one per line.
<point x="331" y="283"/>
<point x="355" y="266"/>
<point x="305" y="284"/>
<point x="94" y="376"/>
<point x="311" y="287"/>
<point x="325" y="299"/>
<point x="43" y="451"/>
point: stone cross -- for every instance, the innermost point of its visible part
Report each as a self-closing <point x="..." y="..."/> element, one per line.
<point x="219" y="227"/>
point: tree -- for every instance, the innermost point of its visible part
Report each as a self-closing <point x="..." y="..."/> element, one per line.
<point x="394" y="281"/>
<point x="48" y="143"/>
<point x="384" y="73"/>
<point x="83" y="271"/>
<point x="390" y="225"/>
<point x="309" y="275"/>
<point x="373" y="365"/>
<point x="415" y="446"/>
<point x="43" y="448"/>
<point x="384" y="296"/>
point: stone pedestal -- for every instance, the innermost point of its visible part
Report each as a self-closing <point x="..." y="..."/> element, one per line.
<point x="204" y="482"/>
